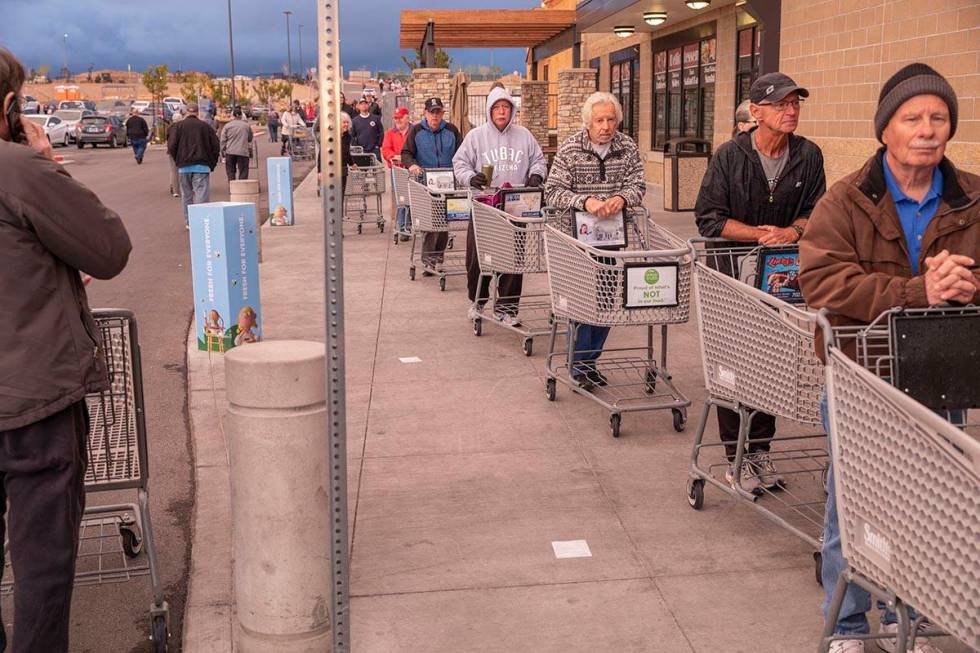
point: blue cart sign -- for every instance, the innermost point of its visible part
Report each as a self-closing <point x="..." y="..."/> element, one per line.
<point x="280" y="169"/>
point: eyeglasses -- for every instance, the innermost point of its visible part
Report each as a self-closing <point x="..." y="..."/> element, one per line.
<point x="783" y="105"/>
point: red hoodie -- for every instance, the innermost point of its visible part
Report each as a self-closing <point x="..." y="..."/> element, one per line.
<point x="393" y="142"/>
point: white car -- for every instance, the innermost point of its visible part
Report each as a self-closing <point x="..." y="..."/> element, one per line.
<point x="175" y="104"/>
<point x="29" y="104"/>
<point x="70" y="118"/>
<point x="54" y="127"/>
<point x="140" y="105"/>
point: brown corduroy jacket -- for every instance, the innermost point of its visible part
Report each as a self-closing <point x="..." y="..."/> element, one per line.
<point x="853" y="257"/>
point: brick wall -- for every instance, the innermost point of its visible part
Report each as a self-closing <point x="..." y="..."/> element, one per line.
<point x="844" y="52"/>
<point x="426" y="83"/>
<point x="574" y="86"/>
<point x="534" y="109"/>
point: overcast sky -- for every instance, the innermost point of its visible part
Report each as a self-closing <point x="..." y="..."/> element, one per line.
<point x="193" y="34"/>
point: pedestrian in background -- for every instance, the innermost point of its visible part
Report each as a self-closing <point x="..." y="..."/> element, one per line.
<point x="391" y="152"/>
<point x="236" y="146"/>
<point x="743" y="118"/>
<point x="345" y="107"/>
<point x="56" y="235"/>
<point x="137" y="132"/>
<point x="272" y="124"/>
<point x="366" y="130"/>
<point x="174" y="175"/>
<point x="196" y="150"/>
<point x="290" y="122"/>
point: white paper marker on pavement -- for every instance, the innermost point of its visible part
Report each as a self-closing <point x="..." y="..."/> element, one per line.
<point x="571" y="549"/>
<point x="410" y="359"/>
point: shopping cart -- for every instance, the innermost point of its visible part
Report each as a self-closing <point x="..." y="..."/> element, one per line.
<point x="511" y="245"/>
<point x="116" y="540"/>
<point x="907" y="481"/>
<point x="758" y="357"/>
<point x="588" y="288"/>
<point x="399" y="184"/>
<point x="302" y="145"/>
<point x="429" y="215"/>
<point x="364" y="190"/>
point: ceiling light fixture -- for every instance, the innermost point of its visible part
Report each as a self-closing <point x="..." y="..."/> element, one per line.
<point x="697" y="4"/>
<point x="654" y="18"/>
<point x="622" y="31"/>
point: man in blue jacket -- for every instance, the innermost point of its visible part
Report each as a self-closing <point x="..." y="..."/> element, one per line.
<point x="432" y="143"/>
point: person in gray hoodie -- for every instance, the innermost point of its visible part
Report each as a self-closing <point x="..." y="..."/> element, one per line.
<point x="517" y="160"/>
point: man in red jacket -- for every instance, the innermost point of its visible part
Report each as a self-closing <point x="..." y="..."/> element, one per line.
<point x="391" y="152"/>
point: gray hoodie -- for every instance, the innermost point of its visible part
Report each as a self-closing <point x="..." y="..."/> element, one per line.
<point x="514" y="153"/>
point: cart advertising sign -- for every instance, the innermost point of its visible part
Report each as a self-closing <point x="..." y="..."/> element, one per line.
<point x="225" y="271"/>
<point x="280" y="170"/>
<point x="779" y="273"/>
<point x="648" y="285"/>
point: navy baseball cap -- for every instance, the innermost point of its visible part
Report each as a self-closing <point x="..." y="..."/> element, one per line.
<point x="433" y="103"/>
<point x="773" y="87"/>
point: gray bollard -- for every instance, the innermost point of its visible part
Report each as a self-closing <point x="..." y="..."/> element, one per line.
<point x="277" y="432"/>
<point x="247" y="190"/>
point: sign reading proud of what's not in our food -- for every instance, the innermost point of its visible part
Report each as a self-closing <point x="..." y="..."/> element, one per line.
<point x="650" y="285"/>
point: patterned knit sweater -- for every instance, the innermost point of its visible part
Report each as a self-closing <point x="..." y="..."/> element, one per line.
<point x="578" y="174"/>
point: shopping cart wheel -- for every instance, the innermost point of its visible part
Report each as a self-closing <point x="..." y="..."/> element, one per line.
<point x="132" y="542"/>
<point x="411" y="273"/>
<point x="381" y="226"/>
<point x="651" y="379"/>
<point x="695" y="493"/>
<point x="394" y="236"/>
<point x="442" y="283"/>
<point x="449" y="244"/>
<point x="528" y="346"/>
<point x="477" y="327"/>
<point x="680" y="420"/>
<point x="551" y="389"/>
<point x="614" y="422"/>
<point x="818" y="567"/>
<point x="359" y="229"/>
<point x="824" y="475"/>
<point x="161" y="634"/>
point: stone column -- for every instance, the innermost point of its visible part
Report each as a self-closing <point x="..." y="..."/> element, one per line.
<point x="574" y="86"/>
<point x="426" y="83"/>
<point x="281" y="535"/>
<point x="534" y="109"/>
<point x="247" y="190"/>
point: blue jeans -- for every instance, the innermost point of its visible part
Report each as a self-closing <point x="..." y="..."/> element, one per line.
<point x="195" y="188"/>
<point x="589" y="342"/>
<point x="402" y="218"/>
<point x="139" y="148"/>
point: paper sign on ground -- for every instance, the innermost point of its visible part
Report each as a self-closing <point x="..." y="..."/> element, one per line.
<point x="571" y="549"/>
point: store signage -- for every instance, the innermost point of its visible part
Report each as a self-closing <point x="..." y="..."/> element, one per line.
<point x="650" y="286"/>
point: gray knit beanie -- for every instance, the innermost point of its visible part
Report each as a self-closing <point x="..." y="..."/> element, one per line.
<point x="914" y="79"/>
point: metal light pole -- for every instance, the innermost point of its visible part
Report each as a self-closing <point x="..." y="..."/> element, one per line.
<point x="231" y="50"/>
<point x="302" y="70"/>
<point x="66" y="55"/>
<point x="289" y="47"/>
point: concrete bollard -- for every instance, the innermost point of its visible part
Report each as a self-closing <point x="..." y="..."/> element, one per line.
<point x="277" y="433"/>
<point x="247" y="190"/>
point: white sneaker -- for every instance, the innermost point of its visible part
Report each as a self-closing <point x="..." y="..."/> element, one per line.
<point x="768" y="476"/>
<point x="847" y="646"/>
<point x="474" y="314"/>
<point x="749" y="480"/>
<point x="888" y="645"/>
<point x="507" y="318"/>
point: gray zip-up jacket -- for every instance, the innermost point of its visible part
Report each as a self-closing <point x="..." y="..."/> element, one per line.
<point x="235" y="137"/>
<point x="51" y="227"/>
<point x="514" y="153"/>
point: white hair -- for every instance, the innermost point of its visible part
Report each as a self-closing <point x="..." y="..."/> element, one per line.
<point x="345" y="117"/>
<point x="600" y="97"/>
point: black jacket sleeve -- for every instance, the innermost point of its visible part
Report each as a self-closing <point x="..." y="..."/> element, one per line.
<point x="817" y="184"/>
<point x="712" y="208"/>
<point x="408" y="149"/>
<point x="214" y="149"/>
<point x="173" y="138"/>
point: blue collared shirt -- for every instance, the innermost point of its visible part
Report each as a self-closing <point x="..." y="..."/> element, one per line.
<point x="915" y="215"/>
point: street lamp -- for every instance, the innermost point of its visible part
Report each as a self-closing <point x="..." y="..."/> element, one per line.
<point x="231" y="50"/>
<point x="66" y="55"/>
<point x="302" y="70"/>
<point x="289" y="47"/>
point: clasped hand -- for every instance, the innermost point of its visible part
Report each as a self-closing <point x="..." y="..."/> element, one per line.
<point x="604" y="208"/>
<point x="948" y="278"/>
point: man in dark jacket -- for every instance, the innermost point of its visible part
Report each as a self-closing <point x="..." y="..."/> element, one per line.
<point x="54" y="232"/>
<point x="195" y="149"/>
<point x="137" y="132"/>
<point x="761" y="187"/>
<point x="432" y="143"/>
<point x="366" y="129"/>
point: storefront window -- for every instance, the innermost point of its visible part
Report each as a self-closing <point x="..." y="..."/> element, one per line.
<point x="659" y="99"/>
<point x="747" y="68"/>
<point x="623" y="84"/>
<point x="684" y="92"/>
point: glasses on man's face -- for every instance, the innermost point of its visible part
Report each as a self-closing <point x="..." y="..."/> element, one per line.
<point x="783" y="105"/>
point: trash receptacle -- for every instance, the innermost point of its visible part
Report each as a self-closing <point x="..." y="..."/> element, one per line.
<point x="685" y="162"/>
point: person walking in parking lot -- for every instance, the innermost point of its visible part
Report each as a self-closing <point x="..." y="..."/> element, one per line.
<point x="236" y="145"/>
<point x="137" y="132"/>
<point x="55" y="233"/>
<point x="290" y="122"/>
<point x="195" y="148"/>
<point x="272" y="123"/>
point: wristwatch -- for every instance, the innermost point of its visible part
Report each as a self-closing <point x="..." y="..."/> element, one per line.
<point x="798" y="229"/>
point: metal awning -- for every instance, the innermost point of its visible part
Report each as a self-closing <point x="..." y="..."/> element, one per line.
<point x="483" y="28"/>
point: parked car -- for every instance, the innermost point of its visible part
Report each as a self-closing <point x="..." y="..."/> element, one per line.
<point x="54" y="127"/>
<point x="175" y="104"/>
<point x="85" y="105"/>
<point x="258" y="110"/>
<point x="118" y="108"/>
<point x="29" y="104"/>
<point x="140" y="105"/>
<point x="100" y="130"/>
<point x="71" y="117"/>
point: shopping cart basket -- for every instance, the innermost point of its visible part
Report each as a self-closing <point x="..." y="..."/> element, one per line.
<point x="758" y="356"/>
<point x="429" y="215"/>
<point x="363" y="193"/>
<point x="511" y="245"/>
<point x="907" y="481"/>
<point x="116" y="540"/>
<point x="399" y="184"/>
<point x="302" y="146"/>
<point x="587" y="288"/>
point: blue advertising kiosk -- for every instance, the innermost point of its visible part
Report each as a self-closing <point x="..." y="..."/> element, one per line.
<point x="225" y="270"/>
<point x="280" y="169"/>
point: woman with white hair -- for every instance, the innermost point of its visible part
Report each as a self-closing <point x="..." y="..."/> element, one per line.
<point x="598" y="170"/>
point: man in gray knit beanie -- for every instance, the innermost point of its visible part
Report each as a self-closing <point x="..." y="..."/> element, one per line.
<point x="904" y="231"/>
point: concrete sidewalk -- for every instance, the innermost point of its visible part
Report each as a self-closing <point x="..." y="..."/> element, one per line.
<point x="462" y="475"/>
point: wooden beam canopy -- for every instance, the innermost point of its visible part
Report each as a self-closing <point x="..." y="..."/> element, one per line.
<point x="483" y="28"/>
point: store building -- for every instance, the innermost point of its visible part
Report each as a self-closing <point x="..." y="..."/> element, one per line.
<point x="683" y="73"/>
